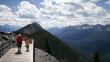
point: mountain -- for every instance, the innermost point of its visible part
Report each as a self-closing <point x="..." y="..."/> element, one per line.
<point x="51" y="44"/>
<point x="78" y="33"/>
<point x="8" y="28"/>
<point x="1" y="29"/>
<point x="42" y="56"/>
<point x="85" y="38"/>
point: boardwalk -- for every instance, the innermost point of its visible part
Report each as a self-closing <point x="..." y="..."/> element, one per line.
<point x="10" y="56"/>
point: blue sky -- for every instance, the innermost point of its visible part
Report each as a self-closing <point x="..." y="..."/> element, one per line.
<point x="102" y="4"/>
<point x="54" y="13"/>
<point x="14" y="3"/>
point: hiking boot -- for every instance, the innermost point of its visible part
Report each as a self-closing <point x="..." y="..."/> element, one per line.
<point x="19" y="52"/>
<point x="16" y="53"/>
<point x="27" y="50"/>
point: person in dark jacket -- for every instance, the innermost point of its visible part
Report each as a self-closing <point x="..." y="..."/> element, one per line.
<point x="19" y="43"/>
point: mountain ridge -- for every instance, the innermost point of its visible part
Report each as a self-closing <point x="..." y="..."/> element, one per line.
<point x="8" y="28"/>
<point x="84" y="38"/>
<point x="57" y="47"/>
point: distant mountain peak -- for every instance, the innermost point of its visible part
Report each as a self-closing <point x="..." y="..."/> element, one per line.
<point x="48" y="42"/>
<point x="97" y="27"/>
<point x="8" y="28"/>
<point x="30" y="28"/>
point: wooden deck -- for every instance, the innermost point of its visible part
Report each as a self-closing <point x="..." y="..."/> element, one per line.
<point x="10" y="56"/>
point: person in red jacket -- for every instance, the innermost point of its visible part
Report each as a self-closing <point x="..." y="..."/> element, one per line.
<point x="19" y="43"/>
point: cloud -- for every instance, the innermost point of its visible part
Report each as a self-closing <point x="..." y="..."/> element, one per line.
<point x="77" y="12"/>
<point x="8" y="17"/>
<point x="63" y="1"/>
<point x="56" y="13"/>
<point x="75" y="1"/>
<point x="107" y="2"/>
<point x="5" y="14"/>
<point x="5" y="11"/>
<point x="27" y="10"/>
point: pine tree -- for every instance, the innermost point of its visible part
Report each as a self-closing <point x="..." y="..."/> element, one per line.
<point x="48" y="50"/>
<point x="95" y="56"/>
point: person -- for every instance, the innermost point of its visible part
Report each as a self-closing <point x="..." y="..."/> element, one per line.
<point x="19" y="43"/>
<point x="27" y="43"/>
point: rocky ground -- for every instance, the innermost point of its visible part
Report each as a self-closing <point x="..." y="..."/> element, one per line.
<point x="41" y="56"/>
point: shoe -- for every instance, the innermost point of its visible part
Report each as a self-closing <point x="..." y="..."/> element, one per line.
<point x="16" y="53"/>
<point x="20" y="53"/>
<point x="27" y="50"/>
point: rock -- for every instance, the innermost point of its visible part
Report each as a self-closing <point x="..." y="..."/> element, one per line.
<point x="41" y="56"/>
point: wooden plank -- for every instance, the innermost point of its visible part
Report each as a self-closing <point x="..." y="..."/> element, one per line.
<point x="10" y="56"/>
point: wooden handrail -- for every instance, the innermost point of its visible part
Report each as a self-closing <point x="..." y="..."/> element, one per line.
<point x="4" y="47"/>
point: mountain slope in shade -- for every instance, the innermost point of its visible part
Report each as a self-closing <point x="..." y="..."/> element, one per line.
<point x="58" y="49"/>
<point x="84" y="38"/>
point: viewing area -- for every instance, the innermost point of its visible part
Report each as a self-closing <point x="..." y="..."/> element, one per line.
<point x="8" y="50"/>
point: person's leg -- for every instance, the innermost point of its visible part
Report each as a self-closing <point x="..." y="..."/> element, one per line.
<point x="27" y="48"/>
<point x="20" y="48"/>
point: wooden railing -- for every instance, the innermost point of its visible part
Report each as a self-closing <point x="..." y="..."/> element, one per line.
<point x="5" y="45"/>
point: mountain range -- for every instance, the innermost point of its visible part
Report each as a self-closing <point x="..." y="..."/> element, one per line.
<point x="85" y="38"/>
<point x="8" y="28"/>
<point x="69" y="42"/>
<point x="57" y="47"/>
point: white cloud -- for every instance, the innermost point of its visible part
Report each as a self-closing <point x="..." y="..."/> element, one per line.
<point x="57" y="13"/>
<point x="63" y="1"/>
<point x="75" y="1"/>
<point x="8" y="17"/>
<point x="5" y="14"/>
<point x="5" y="11"/>
<point x="27" y="10"/>
<point x="77" y="12"/>
<point x="107" y="2"/>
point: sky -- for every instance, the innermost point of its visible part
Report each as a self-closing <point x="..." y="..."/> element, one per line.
<point x="54" y="13"/>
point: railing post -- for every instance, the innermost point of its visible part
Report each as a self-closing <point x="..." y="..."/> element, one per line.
<point x="4" y="47"/>
<point x="6" y="43"/>
<point x="0" y="51"/>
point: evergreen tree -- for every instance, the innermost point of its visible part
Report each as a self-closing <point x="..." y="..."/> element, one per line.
<point x="48" y="50"/>
<point x="95" y="56"/>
